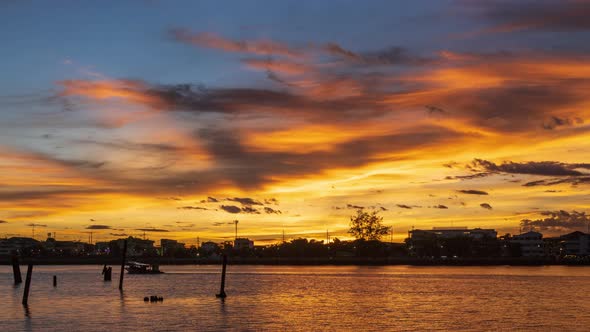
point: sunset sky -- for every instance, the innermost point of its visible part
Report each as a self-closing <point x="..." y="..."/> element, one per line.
<point x="177" y="118"/>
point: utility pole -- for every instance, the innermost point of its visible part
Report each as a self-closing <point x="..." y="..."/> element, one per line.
<point x="236" y="222"/>
<point x="391" y="234"/>
<point x="327" y="237"/>
<point x="283" y="235"/>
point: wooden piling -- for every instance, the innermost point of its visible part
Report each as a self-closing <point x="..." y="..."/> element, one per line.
<point x="54" y="281"/>
<point x="16" y="269"/>
<point x="108" y="273"/>
<point x="27" y="284"/>
<point x="222" y="288"/>
<point x="123" y="265"/>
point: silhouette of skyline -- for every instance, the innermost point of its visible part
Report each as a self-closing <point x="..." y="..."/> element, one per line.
<point x="178" y="121"/>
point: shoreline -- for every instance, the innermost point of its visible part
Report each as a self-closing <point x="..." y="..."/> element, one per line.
<point x="520" y="261"/>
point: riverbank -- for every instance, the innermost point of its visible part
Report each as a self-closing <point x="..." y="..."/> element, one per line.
<point x="101" y="260"/>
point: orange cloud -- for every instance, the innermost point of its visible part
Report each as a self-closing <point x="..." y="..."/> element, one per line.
<point x="127" y="90"/>
<point x="259" y="47"/>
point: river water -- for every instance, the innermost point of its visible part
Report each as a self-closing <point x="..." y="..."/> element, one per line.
<point x="302" y="298"/>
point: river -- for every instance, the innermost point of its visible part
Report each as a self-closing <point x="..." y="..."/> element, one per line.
<point x="302" y="298"/>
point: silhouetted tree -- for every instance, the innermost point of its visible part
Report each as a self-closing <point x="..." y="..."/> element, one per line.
<point x="367" y="226"/>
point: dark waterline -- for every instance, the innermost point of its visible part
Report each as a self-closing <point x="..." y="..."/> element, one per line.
<point x="303" y="298"/>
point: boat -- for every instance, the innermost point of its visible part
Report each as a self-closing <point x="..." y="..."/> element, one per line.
<point x="142" y="268"/>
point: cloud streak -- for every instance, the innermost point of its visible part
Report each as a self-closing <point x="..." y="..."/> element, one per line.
<point x="98" y="227"/>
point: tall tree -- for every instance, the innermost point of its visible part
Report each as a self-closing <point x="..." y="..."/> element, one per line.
<point x="367" y="226"/>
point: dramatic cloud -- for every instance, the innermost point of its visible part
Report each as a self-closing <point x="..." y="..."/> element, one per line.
<point x="248" y="209"/>
<point x="559" y="221"/>
<point x="473" y="192"/>
<point x="155" y="230"/>
<point x="467" y="177"/>
<point x="549" y="15"/>
<point x="231" y="208"/>
<point x="236" y="209"/>
<point x="554" y="181"/>
<point x="98" y="227"/>
<point x="192" y="208"/>
<point x="486" y="206"/>
<point x="245" y="201"/>
<point x="355" y="207"/>
<point x="271" y="201"/>
<point x="389" y="56"/>
<point x="271" y="210"/>
<point x="306" y="118"/>
<point x="548" y="168"/>
<point x="555" y="122"/>
<point x="211" y="40"/>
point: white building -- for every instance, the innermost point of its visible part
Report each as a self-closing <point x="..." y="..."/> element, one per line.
<point x="576" y="243"/>
<point x="453" y="232"/>
<point x="531" y="244"/>
<point x="243" y="243"/>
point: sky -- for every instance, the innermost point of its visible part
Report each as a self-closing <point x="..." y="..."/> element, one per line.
<point x="173" y="119"/>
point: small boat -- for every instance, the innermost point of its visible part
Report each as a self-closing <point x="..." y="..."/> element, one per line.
<point x="142" y="268"/>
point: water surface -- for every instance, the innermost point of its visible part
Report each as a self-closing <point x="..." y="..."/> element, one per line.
<point x="305" y="298"/>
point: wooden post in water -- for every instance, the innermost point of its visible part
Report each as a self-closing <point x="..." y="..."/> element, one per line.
<point x="54" y="281"/>
<point x="27" y="284"/>
<point x="107" y="274"/>
<point x="222" y="289"/>
<point x="16" y="269"/>
<point x="123" y="265"/>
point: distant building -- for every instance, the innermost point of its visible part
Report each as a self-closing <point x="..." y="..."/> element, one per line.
<point x="16" y="244"/>
<point x="531" y="244"/>
<point x="102" y="248"/>
<point x="451" y="232"/>
<point x="169" y="247"/>
<point x="572" y="244"/>
<point x="243" y="243"/>
<point x="576" y="243"/>
<point x="135" y="246"/>
<point x="64" y="247"/>
<point x="209" y="248"/>
<point x="452" y="241"/>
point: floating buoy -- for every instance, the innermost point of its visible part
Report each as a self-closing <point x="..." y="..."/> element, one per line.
<point x="145" y="299"/>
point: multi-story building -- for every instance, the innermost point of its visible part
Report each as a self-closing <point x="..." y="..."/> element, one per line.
<point x="531" y="244"/>
<point x="572" y="244"/>
<point x="169" y="247"/>
<point x="454" y="241"/>
<point x="135" y="246"/>
<point x="243" y="243"/>
<point x="16" y="244"/>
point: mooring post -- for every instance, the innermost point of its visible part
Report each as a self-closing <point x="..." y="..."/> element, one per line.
<point x="222" y="289"/>
<point x="108" y="273"/>
<point x="16" y="269"/>
<point x="27" y="284"/>
<point x="54" y="281"/>
<point x="123" y="265"/>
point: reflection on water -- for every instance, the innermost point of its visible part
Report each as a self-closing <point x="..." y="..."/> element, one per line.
<point x="303" y="298"/>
